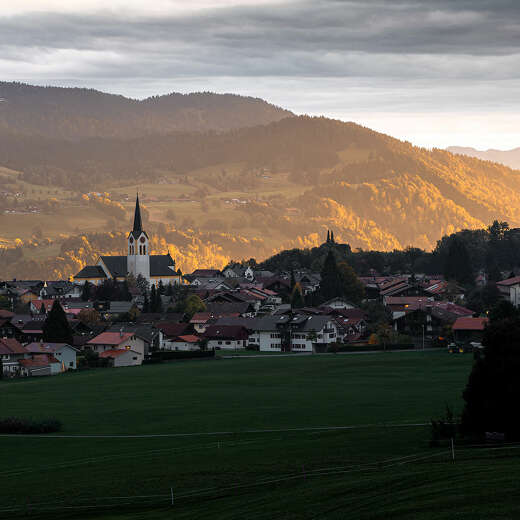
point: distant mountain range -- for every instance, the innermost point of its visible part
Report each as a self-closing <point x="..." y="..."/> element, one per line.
<point x="510" y="158"/>
<point x="76" y="113"/>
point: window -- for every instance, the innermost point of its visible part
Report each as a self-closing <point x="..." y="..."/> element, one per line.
<point x="135" y="358"/>
<point x="71" y="364"/>
<point x="228" y="342"/>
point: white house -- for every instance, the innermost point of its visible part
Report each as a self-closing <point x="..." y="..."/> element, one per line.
<point x="298" y="333"/>
<point x="510" y="290"/>
<point x="186" y="342"/>
<point x="117" y="340"/>
<point x="62" y="352"/>
<point x="122" y="357"/>
<point x="11" y="352"/>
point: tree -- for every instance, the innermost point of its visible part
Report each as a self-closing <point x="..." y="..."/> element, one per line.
<point x="192" y="305"/>
<point x="330" y="285"/>
<point x="493" y="388"/>
<point x="42" y="309"/>
<point x="146" y="303"/>
<point x="351" y="286"/>
<point x="56" y="328"/>
<point x="297" y="299"/>
<point x="89" y="316"/>
<point x="153" y="299"/>
<point x="458" y="263"/>
<point x="86" y="291"/>
<point x="142" y="283"/>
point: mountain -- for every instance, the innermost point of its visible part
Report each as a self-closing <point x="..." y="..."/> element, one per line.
<point x="76" y="113"/>
<point x="510" y="158"/>
<point x="248" y="192"/>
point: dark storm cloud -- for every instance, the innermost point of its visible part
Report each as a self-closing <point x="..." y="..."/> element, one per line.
<point x="410" y="39"/>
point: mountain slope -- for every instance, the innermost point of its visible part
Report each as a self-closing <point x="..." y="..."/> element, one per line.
<point x="254" y="191"/>
<point x="74" y="113"/>
<point x="509" y="158"/>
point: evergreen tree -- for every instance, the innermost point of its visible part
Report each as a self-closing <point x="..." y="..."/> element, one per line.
<point x="146" y="303"/>
<point x="153" y="299"/>
<point x="42" y="309"/>
<point x="297" y="299"/>
<point x="158" y="302"/>
<point x="493" y="388"/>
<point x="328" y="236"/>
<point x="85" y="292"/>
<point x="458" y="264"/>
<point x="161" y="288"/>
<point x="330" y="285"/>
<point x="352" y="289"/>
<point x="293" y="280"/>
<point x="332" y="237"/>
<point x="56" y="328"/>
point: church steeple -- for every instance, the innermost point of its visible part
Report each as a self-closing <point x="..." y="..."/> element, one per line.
<point x="138" y="224"/>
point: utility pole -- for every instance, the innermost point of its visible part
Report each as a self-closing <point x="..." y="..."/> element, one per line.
<point x="452" y="450"/>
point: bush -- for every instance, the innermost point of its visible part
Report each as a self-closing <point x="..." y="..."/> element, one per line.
<point x="253" y="347"/>
<point x="27" y="426"/>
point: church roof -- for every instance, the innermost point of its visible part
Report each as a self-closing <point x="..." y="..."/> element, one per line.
<point x="91" y="271"/>
<point x="159" y="265"/>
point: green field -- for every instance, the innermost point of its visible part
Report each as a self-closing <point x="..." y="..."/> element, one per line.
<point x="254" y="438"/>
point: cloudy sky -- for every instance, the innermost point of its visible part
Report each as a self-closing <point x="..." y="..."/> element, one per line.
<point x="434" y="72"/>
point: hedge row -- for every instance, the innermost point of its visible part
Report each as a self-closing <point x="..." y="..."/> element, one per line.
<point x="18" y="425"/>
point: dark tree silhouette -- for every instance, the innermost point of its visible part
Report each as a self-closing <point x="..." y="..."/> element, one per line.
<point x="56" y="328"/>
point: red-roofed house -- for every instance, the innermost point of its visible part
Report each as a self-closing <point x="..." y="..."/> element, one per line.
<point x="510" y="290"/>
<point x="40" y="365"/>
<point x="122" y="357"/>
<point x="229" y="337"/>
<point x="469" y="329"/>
<point x="63" y="352"/>
<point x="185" y="342"/>
<point x="117" y="340"/>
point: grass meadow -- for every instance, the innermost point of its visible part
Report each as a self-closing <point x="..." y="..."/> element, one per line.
<point x="268" y="437"/>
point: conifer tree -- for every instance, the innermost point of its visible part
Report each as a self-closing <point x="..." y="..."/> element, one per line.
<point x="332" y="237"/>
<point x="153" y="299"/>
<point x="146" y="303"/>
<point x="125" y="292"/>
<point x="42" y="309"/>
<point x="328" y="236"/>
<point x="458" y="263"/>
<point x="330" y="285"/>
<point x="297" y="299"/>
<point x="56" y="328"/>
<point x="85" y="292"/>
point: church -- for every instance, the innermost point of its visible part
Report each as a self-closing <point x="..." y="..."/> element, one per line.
<point x="138" y="261"/>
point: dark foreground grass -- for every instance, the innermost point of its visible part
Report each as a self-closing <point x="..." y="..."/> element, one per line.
<point x="229" y="469"/>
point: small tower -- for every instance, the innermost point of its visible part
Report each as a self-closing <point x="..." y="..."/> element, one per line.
<point x="138" y="259"/>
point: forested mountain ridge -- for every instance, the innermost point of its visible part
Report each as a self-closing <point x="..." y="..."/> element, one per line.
<point x="78" y="113"/>
<point x="253" y="191"/>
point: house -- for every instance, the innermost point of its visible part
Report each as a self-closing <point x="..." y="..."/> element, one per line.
<point x="469" y="329"/>
<point x="288" y="332"/>
<point x="115" y="341"/>
<point x="40" y="365"/>
<point x="33" y="330"/>
<point x="171" y="331"/>
<point x="122" y="357"/>
<point x="226" y="337"/>
<point x="510" y="290"/>
<point x="138" y="261"/>
<point x="239" y="271"/>
<point x="185" y="342"/>
<point x="149" y="333"/>
<point x="349" y="329"/>
<point x="11" y="352"/>
<point x="64" y="353"/>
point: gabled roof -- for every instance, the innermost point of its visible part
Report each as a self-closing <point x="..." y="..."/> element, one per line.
<point x="173" y="329"/>
<point x="510" y="281"/>
<point x="206" y="273"/>
<point x="33" y="326"/>
<point x="116" y="265"/>
<point x="41" y="360"/>
<point x="226" y="332"/>
<point x="110" y="338"/>
<point x="470" y="323"/>
<point x="189" y="338"/>
<point x="11" y="346"/>
<point x="116" y="352"/>
<point x="91" y="271"/>
<point x="6" y="314"/>
<point x="37" y="347"/>
<point x="162" y="265"/>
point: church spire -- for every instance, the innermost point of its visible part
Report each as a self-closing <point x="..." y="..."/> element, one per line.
<point x="138" y="225"/>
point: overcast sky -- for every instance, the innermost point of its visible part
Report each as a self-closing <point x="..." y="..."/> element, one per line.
<point x="437" y="72"/>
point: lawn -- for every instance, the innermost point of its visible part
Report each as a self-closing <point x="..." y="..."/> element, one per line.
<point x="249" y="438"/>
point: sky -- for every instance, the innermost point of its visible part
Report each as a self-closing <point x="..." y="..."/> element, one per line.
<point x="433" y="72"/>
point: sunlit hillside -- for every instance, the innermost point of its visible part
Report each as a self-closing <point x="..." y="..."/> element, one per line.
<point x="250" y="192"/>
